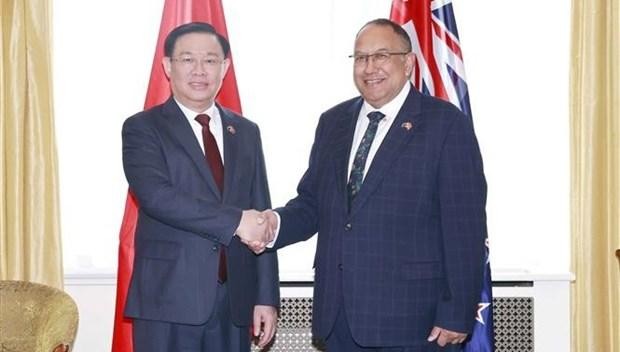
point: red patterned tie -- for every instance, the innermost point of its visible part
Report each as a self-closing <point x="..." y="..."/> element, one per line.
<point x="214" y="159"/>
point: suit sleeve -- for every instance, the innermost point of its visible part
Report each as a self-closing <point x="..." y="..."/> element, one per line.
<point x="299" y="218"/>
<point x="267" y="262"/>
<point x="147" y="174"/>
<point x="462" y="197"/>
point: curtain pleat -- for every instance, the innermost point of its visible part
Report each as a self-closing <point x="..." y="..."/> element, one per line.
<point x="595" y="174"/>
<point x="30" y="247"/>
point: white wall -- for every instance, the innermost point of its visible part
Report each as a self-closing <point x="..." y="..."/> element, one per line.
<point x="291" y="64"/>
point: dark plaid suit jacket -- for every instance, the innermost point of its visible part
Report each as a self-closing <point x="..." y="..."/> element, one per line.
<point x="409" y="253"/>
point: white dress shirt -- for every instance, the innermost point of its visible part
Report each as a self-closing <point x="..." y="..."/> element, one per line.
<point x="390" y="110"/>
<point x="215" y="125"/>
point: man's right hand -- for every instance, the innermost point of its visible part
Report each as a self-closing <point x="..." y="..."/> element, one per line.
<point x="254" y="231"/>
<point x="272" y="220"/>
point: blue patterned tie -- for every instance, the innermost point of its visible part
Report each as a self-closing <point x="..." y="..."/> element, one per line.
<point x="357" y="170"/>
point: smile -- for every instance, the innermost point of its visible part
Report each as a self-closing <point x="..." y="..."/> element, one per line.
<point x="198" y="85"/>
<point x="373" y="81"/>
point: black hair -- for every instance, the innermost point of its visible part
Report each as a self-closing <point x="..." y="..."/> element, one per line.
<point x="193" y="27"/>
<point x="384" y="22"/>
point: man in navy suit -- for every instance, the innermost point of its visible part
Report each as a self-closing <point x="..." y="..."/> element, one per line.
<point x="396" y="191"/>
<point x="193" y="166"/>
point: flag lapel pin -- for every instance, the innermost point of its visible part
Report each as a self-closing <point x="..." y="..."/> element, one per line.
<point x="407" y="125"/>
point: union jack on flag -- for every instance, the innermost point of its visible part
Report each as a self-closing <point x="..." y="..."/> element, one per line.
<point x="439" y="69"/>
<point x="439" y="72"/>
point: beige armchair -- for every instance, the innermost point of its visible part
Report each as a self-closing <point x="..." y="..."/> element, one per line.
<point x="36" y="318"/>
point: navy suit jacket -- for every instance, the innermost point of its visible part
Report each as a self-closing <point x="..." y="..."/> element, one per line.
<point x="183" y="219"/>
<point x="409" y="253"/>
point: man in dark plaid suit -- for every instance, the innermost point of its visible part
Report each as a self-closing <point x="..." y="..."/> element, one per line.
<point x="396" y="191"/>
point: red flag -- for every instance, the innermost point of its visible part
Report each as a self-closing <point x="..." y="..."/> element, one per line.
<point x="176" y="13"/>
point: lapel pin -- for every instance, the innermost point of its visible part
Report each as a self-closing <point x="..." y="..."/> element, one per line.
<point x="407" y="125"/>
<point x="231" y="129"/>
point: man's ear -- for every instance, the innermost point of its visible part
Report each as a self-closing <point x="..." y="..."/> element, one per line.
<point x="410" y="64"/>
<point x="167" y="65"/>
<point x="225" y="67"/>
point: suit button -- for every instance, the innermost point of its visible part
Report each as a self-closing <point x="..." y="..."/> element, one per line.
<point x="340" y="267"/>
<point x="348" y="227"/>
<point x="214" y="248"/>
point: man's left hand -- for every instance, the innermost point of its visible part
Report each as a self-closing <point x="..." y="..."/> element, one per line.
<point x="265" y="319"/>
<point x="444" y="336"/>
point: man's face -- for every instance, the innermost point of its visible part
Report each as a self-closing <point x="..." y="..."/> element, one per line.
<point x="379" y="78"/>
<point x="196" y="70"/>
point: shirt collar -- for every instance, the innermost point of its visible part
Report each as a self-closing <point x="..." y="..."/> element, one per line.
<point x="212" y="111"/>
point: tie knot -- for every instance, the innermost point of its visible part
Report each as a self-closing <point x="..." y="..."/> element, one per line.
<point x="375" y="116"/>
<point x="203" y="119"/>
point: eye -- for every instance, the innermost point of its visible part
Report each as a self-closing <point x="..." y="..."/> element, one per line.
<point x="359" y="59"/>
<point x="212" y="61"/>
<point x="187" y="60"/>
<point x="380" y="57"/>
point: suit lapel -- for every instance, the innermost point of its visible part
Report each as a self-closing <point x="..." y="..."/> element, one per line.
<point x="342" y="141"/>
<point x="180" y="128"/>
<point x="231" y="145"/>
<point x="397" y="137"/>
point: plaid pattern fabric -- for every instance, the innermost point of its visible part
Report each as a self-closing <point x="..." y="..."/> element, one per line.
<point x="406" y="256"/>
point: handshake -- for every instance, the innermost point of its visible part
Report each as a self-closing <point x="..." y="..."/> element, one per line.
<point x="257" y="229"/>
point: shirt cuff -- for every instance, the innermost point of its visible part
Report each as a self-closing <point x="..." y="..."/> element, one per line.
<point x="277" y="232"/>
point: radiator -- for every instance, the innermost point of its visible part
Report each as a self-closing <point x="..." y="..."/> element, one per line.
<point x="513" y="319"/>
